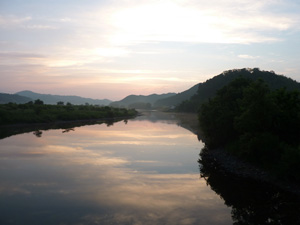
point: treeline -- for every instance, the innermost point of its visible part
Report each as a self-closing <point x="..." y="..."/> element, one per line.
<point x="209" y="88"/>
<point x="38" y="112"/>
<point x="259" y="124"/>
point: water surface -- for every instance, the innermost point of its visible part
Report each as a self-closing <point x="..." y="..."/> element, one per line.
<point x="138" y="171"/>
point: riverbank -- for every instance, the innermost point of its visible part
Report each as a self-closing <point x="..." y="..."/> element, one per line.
<point x="39" y="113"/>
<point x="14" y="129"/>
<point x="229" y="164"/>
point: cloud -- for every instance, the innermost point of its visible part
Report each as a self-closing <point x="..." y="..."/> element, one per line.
<point x="214" y="22"/>
<point x="157" y="45"/>
<point x="12" y="20"/>
<point x="27" y="22"/>
<point x="248" y="57"/>
<point x="110" y="52"/>
<point x="66" y="20"/>
<point x="20" y="55"/>
<point x="21" y="58"/>
<point x="40" y="27"/>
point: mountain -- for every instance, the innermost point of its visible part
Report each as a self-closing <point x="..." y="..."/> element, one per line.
<point x="210" y="87"/>
<point x="140" y="101"/>
<point x="53" y="99"/>
<point x="6" y="98"/>
<point x="178" y="98"/>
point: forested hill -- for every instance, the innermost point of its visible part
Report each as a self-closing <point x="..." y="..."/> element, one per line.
<point x="249" y="119"/>
<point x="209" y="88"/>
<point x="177" y="99"/>
<point x="140" y="101"/>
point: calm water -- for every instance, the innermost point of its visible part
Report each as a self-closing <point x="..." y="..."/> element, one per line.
<point x="140" y="171"/>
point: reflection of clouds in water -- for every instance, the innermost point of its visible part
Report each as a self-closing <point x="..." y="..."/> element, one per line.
<point x="157" y="200"/>
<point x="80" y="169"/>
<point x="130" y="196"/>
<point x="7" y="189"/>
<point x="140" y="198"/>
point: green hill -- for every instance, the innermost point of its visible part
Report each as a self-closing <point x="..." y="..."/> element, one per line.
<point x="178" y="98"/>
<point x="209" y="88"/>
<point x="7" y="98"/>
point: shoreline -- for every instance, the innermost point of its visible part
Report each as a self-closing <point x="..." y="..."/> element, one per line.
<point x="14" y="129"/>
<point x="58" y="122"/>
<point x="230" y="164"/>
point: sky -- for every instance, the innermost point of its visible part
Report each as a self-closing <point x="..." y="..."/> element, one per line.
<point x="114" y="48"/>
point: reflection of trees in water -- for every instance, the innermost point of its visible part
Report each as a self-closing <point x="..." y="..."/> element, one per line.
<point x="189" y="121"/>
<point x="185" y="120"/>
<point x="252" y="202"/>
<point x="38" y="133"/>
<point x="37" y="129"/>
<point x="68" y="130"/>
<point x="109" y="123"/>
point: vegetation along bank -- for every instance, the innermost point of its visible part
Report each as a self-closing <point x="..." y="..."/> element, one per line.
<point x="38" y="112"/>
<point x="248" y="119"/>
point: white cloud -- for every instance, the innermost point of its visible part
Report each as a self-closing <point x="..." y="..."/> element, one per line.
<point x="210" y="22"/>
<point x="27" y="22"/>
<point x="12" y="20"/>
<point x="110" y="52"/>
<point x="40" y="27"/>
<point x="127" y="41"/>
<point x="66" y="20"/>
<point x="248" y="57"/>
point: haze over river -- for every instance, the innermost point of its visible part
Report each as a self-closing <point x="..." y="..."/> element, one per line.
<point x="138" y="171"/>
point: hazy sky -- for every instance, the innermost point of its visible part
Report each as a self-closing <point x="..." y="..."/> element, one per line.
<point x="113" y="48"/>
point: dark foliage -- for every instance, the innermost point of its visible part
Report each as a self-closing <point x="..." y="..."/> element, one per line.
<point x="209" y="88"/>
<point x="256" y="123"/>
<point x="251" y="201"/>
<point x="38" y="112"/>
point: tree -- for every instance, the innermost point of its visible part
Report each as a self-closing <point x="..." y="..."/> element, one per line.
<point x="217" y="116"/>
<point x="38" y="102"/>
<point x="60" y="103"/>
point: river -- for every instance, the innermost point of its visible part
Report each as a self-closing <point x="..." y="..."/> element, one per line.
<point x="138" y="171"/>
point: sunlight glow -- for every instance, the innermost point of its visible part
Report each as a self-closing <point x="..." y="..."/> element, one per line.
<point x="111" y="49"/>
<point x="168" y="21"/>
<point x="164" y="22"/>
<point x="110" y="52"/>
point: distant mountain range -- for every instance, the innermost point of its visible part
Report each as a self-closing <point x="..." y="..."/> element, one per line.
<point x="175" y="100"/>
<point x="188" y="100"/>
<point x="168" y="100"/>
<point x="191" y="99"/>
<point x="53" y="99"/>
<point x="140" y="101"/>
<point x="26" y="96"/>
